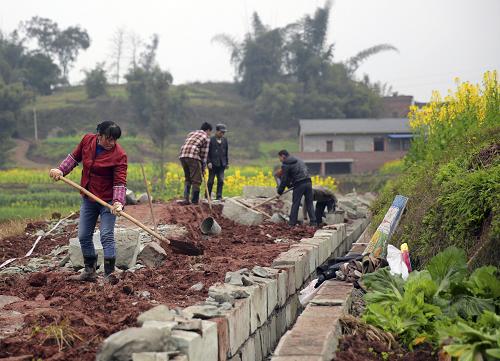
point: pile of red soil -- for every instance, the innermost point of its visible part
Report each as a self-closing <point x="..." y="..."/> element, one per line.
<point x="95" y="311"/>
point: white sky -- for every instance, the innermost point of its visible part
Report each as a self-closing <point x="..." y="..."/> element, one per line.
<point x="437" y="39"/>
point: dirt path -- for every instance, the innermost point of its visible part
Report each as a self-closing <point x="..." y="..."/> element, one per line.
<point x="19" y="156"/>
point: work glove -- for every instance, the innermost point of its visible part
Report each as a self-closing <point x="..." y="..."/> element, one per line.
<point x="55" y="174"/>
<point x="209" y="165"/>
<point x="280" y="192"/>
<point x="117" y="208"/>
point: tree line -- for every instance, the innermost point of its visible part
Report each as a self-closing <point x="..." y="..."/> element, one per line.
<point x="290" y="72"/>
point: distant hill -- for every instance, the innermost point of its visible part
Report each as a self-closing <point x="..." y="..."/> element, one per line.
<point x="68" y="113"/>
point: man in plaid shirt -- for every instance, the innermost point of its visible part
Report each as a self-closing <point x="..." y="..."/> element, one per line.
<point x="193" y="159"/>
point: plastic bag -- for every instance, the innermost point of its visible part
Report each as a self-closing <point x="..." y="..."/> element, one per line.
<point x="396" y="262"/>
<point x="309" y="292"/>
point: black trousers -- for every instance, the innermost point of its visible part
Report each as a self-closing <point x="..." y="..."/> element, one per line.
<point x="320" y="209"/>
<point x="302" y="189"/>
<point x="219" y="173"/>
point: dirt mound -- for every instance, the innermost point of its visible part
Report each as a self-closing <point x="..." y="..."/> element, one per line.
<point x="88" y="313"/>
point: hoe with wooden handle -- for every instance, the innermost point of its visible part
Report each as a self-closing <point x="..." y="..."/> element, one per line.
<point x="177" y="246"/>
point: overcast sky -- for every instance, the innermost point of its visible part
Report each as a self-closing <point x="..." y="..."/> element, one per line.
<point x="437" y="39"/>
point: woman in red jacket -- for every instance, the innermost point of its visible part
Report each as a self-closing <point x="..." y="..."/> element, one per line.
<point x="104" y="174"/>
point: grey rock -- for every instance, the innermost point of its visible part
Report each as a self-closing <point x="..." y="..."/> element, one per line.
<point x="189" y="325"/>
<point x="226" y="306"/>
<point x="145" y="294"/>
<point x="260" y="271"/>
<point x="202" y="311"/>
<point x="150" y="356"/>
<point x="143" y="198"/>
<point x="220" y="296"/>
<point x="158" y="313"/>
<point x="197" y="286"/>
<point x="246" y="281"/>
<point x="160" y="324"/>
<point x="152" y="255"/>
<point x="240" y="214"/>
<point x="130" y="197"/>
<point x="127" y="247"/>
<point x="239" y="294"/>
<point x="75" y="251"/>
<point x="277" y="218"/>
<point x="234" y="278"/>
<point x="63" y="261"/>
<point x="121" y="345"/>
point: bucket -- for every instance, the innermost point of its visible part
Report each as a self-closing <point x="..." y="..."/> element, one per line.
<point x="210" y="226"/>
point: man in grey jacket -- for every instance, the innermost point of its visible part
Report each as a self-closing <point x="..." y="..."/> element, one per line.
<point x="296" y="175"/>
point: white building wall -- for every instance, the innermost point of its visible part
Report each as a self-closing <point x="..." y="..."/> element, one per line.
<point x="317" y="143"/>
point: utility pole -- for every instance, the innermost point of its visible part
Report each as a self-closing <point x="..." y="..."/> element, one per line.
<point x="35" y="123"/>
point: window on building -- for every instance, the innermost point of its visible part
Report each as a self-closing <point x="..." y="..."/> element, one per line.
<point x="349" y="144"/>
<point x="378" y="144"/>
<point x="338" y="168"/>
<point x="329" y="145"/>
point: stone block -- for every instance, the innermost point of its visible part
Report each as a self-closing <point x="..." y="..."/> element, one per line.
<point x="273" y="332"/>
<point x="313" y="256"/>
<point x="121" y="345"/>
<point x="248" y="350"/>
<point x="297" y="258"/>
<point x="335" y="217"/>
<point x="209" y="339"/>
<point x="76" y="256"/>
<point x="281" y="323"/>
<point x="158" y="313"/>
<point x="322" y="244"/>
<point x="289" y="269"/>
<point x="264" y="334"/>
<point x="150" y="356"/>
<point x="271" y="286"/>
<point x="240" y="214"/>
<point x="239" y="324"/>
<point x="160" y="324"/>
<point x="258" y="192"/>
<point x="292" y="310"/>
<point x="189" y="343"/>
<point x="127" y="247"/>
<point x="152" y="255"/>
<point x="258" y="305"/>
<point x="258" y="345"/>
<point x="222" y="337"/>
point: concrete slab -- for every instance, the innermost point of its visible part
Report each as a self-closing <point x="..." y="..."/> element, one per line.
<point x="240" y="214"/>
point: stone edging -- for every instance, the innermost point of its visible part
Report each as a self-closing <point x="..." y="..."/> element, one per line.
<point x="240" y="322"/>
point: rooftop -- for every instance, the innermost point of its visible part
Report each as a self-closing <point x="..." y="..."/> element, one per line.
<point x="354" y="126"/>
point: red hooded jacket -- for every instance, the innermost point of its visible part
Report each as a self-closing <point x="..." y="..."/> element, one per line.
<point x="104" y="175"/>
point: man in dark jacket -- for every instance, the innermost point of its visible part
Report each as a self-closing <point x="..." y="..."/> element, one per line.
<point x="296" y="175"/>
<point x="218" y="160"/>
<point x="324" y="198"/>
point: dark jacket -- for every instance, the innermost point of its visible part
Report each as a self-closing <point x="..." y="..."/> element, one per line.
<point x="294" y="171"/>
<point x="322" y="194"/>
<point x="218" y="153"/>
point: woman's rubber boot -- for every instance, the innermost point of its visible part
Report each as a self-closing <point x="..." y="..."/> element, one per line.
<point x="196" y="197"/>
<point x="89" y="273"/>
<point x="187" y="190"/>
<point x="109" y="268"/>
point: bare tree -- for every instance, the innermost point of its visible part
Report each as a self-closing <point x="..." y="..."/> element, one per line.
<point x="134" y="43"/>
<point x="117" y="50"/>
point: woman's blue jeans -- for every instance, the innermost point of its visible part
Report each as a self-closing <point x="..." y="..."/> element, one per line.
<point x="89" y="211"/>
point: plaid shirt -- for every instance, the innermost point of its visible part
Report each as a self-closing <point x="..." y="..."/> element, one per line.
<point x="196" y="146"/>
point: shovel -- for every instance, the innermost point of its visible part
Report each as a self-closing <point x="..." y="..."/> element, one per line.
<point x="177" y="246"/>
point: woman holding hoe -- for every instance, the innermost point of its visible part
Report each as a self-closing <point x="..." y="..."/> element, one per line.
<point x="105" y="175"/>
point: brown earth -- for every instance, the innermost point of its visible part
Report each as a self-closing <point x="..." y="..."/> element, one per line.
<point x="88" y="313"/>
<point x="359" y="348"/>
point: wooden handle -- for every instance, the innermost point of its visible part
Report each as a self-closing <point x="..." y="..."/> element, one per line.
<point x="209" y="197"/>
<point x="271" y="198"/>
<point x="122" y="213"/>
<point x="149" y="196"/>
